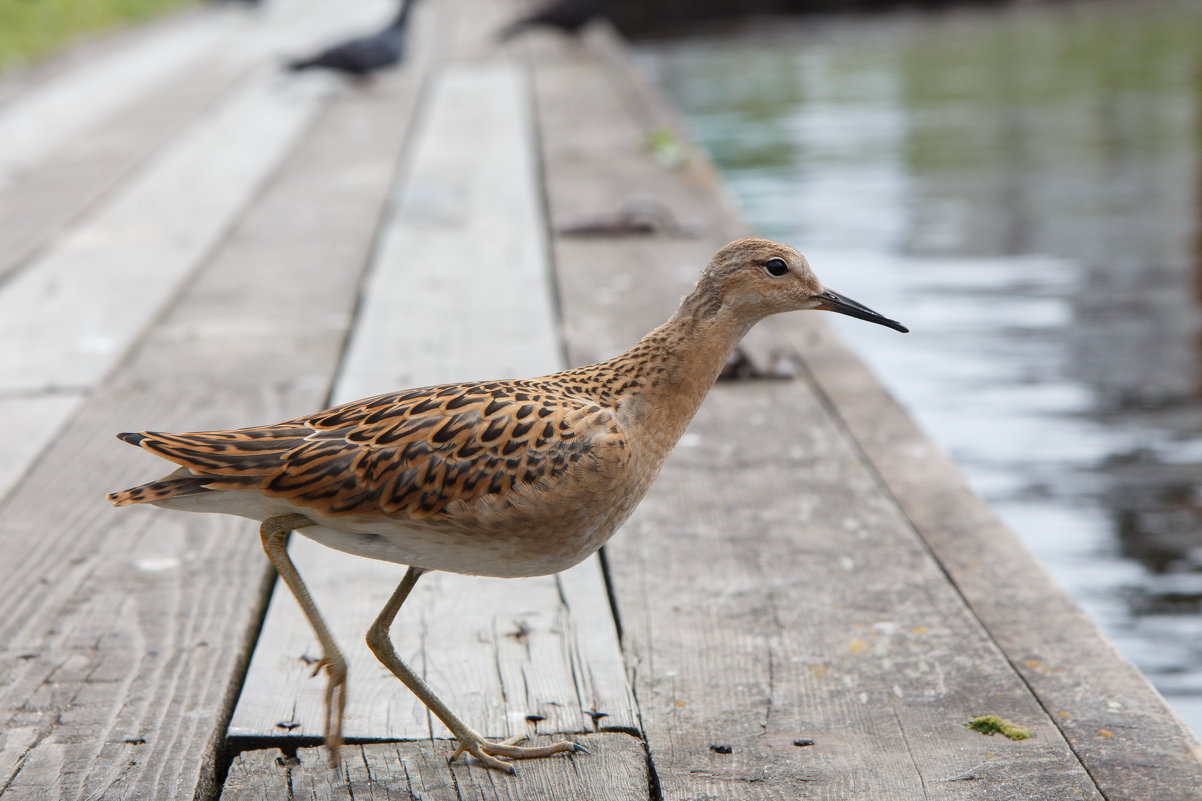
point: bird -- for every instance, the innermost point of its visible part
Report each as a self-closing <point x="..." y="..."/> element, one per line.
<point x="566" y="16"/>
<point x="506" y="477"/>
<point x="363" y="55"/>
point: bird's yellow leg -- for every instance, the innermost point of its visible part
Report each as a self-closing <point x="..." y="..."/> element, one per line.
<point x="274" y="533"/>
<point x="468" y="740"/>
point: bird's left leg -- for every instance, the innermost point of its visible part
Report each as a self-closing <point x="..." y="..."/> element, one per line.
<point x="468" y="739"/>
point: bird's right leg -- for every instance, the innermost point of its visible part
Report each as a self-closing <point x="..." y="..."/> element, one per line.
<point x="274" y="533"/>
<point x="468" y="739"/>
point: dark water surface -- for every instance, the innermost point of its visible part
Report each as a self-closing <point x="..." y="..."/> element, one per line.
<point x="1023" y="188"/>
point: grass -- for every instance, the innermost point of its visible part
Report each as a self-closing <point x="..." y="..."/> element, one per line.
<point x="32" y="28"/>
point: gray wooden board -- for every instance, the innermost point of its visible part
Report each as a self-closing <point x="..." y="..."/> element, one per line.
<point x="770" y="592"/>
<point x="1119" y="726"/>
<point x="20" y="79"/>
<point x="698" y="199"/>
<point x="476" y="26"/>
<point x="77" y="310"/>
<point x="36" y="124"/>
<point x="27" y="425"/>
<point x="461" y="287"/>
<point x="146" y="240"/>
<point x="39" y="203"/>
<point x="142" y="245"/>
<point x="768" y="589"/>
<point x="124" y="633"/>
<point x="54" y="115"/>
<point x="615" y="769"/>
<point x="459" y="290"/>
<point x="97" y="151"/>
<point x="135" y="250"/>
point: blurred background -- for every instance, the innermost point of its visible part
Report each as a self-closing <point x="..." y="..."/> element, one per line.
<point x="1021" y="184"/>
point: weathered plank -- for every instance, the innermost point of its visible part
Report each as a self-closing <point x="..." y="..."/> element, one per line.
<point x="27" y="425"/>
<point x="45" y="115"/>
<point x="41" y="202"/>
<point x="1118" y="725"/>
<point x="460" y="290"/>
<point x="78" y="310"/>
<point x="466" y="242"/>
<point x="139" y="249"/>
<point x="769" y="590"/>
<point x="476" y="25"/>
<point x="124" y="633"/>
<point x="34" y="125"/>
<point x="18" y="80"/>
<point x="101" y="141"/>
<point x="615" y="768"/>
<point x="810" y="611"/>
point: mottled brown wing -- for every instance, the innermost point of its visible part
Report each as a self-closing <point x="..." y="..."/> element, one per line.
<point x="412" y="452"/>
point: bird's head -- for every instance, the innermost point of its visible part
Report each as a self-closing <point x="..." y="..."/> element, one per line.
<point x="753" y="278"/>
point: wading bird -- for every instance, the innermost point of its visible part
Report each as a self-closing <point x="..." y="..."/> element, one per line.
<point x="512" y="477"/>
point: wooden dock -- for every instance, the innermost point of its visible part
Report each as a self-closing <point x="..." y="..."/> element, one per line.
<point x="809" y="603"/>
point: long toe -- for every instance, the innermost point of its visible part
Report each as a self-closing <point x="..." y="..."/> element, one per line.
<point x="488" y="751"/>
<point x="534" y="751"/>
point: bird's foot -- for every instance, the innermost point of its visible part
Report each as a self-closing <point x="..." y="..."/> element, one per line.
<point x="335" y="668"/>
<point x="488" y="752"/>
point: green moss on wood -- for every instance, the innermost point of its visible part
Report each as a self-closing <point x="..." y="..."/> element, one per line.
<point x="992" y="724"/>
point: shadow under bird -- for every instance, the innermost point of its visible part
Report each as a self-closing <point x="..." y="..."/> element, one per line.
<point x="566" y="16"/>
<point x="509" y="478"/>
<point x="363" y="55"/>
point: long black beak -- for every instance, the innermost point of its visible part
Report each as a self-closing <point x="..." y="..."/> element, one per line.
<point x="833" y="301"/>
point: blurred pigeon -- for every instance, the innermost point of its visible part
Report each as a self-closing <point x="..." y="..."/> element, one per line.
<point x="363" y="55"/>
<point x="567" y="16"/>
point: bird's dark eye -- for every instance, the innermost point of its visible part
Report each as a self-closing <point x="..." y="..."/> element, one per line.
<point x="776" y="267"/>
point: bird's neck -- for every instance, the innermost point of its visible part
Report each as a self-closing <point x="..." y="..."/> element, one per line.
<point x="666" y="376"/>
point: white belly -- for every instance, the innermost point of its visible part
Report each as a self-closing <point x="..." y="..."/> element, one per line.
<point x="433" y="548"/>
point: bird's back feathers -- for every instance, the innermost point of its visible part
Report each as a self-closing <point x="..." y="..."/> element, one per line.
<point x="414" y="453"/>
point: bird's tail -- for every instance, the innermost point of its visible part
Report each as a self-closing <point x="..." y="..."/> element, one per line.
<point x="201" y="470"/>
<point x="175" y="485"/>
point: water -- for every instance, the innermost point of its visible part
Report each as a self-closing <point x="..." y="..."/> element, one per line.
<point x="1023" y="188"/>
